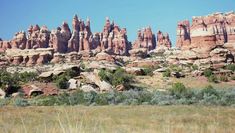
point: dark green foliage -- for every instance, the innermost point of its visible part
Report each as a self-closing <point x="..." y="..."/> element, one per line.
<point x="27" y="76"/>
<point x="207" y="73"/>
<point x="62" y="82"/>
<point x="194" y="67"/>
<point x="117" y="77"/>
<point x="73" y="72"/>
<point x="167" y="73"/>
<point x="148" y="71"/>
<point x="213" y="78"/>
<point x="10" y="83"/>
<point x="231" y="67"/>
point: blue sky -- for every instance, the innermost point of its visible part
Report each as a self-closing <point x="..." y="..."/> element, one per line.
<point x="133" y="14"/>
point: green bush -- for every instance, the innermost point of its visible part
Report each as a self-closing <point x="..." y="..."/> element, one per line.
<point x="208" y="72"/>
<point x="20" y="102"/>
<point x="167" y="73"/>
<point x="148" y="71"/>
<point x="178" y="89"/>
<point x="10" y="83"/>
<point x="117" y="77"/>
<point x="209" y="90"/>
<point x="27" y="76"/>
<point x="72" y="72"/>
<point x="62" y="82"/>
<point x="230" y="67"/>
<point x="213" y="78"/>
<point x="194" y="67"/>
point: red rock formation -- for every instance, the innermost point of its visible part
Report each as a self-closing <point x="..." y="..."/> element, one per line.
<point x="38" y="37"/>
<point x="145" y="39"/>
<point x="32" y="60"/>
<point x="59" y="38"/>
<point x="43" y="58"/>
<point x="163" y="40"/>
<point x="207" y="32"/>
<point x="73" y="44"/>
<point x="230" y="27"/>
<point x="19" y="40"/>
<point x="113" y="39"/>
<point x="17" y="60"/>
<point x="5" y="45"/>
<point x="183" y="34"/>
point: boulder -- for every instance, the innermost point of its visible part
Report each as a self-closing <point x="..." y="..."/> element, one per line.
<point x="105" y="86"/>
<point x="134" y="70"/>
<point x="2" y="94"/>
<point x="73" y="84"/>
<point x="139" y="52"/>
<point x="88" y="88"/>
<point x="104" y="56"/>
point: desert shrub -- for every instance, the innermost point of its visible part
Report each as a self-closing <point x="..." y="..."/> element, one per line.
<point x="233" y="77"/>
<point x="160" y="98"/>
<point x="148" y="71"/>
<point x="207" y="72"/>
<point x="26" y="76"/>
<point x="62" y="82"/>
<point x="194" y="67"/>
<point x="207" y="96"/>
<point x="213" y="78"/>
<point x="119" y="76"/>
<point x="4" y="102"/>
<point x="89" y="97"/>
<point x="223" y="78"/>
<point x="105" y="75"/>
<point x="102" y="99"/>
<point x="178" y="89"/>
<point x="175" y="68"/>
<point x="72" y="72"/>
<point x="209" y="90"/>
<point x="230" y="67"/>
<point x="20" y="102"/>
<point x="44" y="101"/>
<point x="9" y="82"/>
<point x="228" y="97"/>
<point x="209" y="100"/>
<point x="167" y="73"/>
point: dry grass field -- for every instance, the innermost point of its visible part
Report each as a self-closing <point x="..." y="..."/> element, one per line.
<point x="117" y="119"/>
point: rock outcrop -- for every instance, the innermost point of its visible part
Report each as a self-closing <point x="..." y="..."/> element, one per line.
<point x="145" y="39"/>
<point x="207" y="32"/>
<point x="113" y="39"/>
<point x="163" y="40"/>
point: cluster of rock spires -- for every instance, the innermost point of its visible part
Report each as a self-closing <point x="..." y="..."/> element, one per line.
<point x="209" y="40"/>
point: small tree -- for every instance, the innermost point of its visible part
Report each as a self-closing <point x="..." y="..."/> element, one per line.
<point x="62" y="83"/>
<point x="178" y="89"/>
<point x="208" y="72"/>
<point x="213" y="78"/>
<point x="167" y="73"/>
<point x="231" y="67"/>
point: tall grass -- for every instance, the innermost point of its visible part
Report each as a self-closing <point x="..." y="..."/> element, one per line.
<point x="95" y="119"/>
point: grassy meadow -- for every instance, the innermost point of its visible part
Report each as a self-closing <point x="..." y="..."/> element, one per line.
<point x="117" y="119"/>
